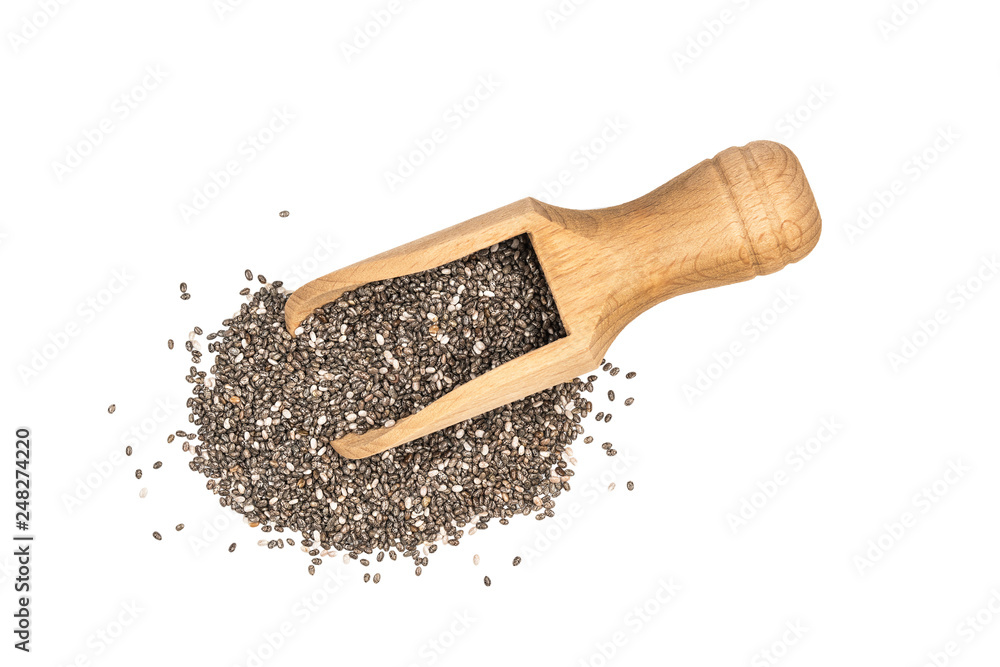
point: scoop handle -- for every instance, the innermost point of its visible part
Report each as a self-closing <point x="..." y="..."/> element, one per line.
<point x="748" y="211"/>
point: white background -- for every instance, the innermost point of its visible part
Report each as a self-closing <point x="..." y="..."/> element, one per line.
<point x="868" y="101"/>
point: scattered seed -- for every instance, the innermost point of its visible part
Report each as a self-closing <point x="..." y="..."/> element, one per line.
<point x="611" y="486"/>
<point x="232" y="547"/>
<point x="111" y="409"/>
<point x="517" y="561"/>
<point x="607" y="418"/>
<point x="606" y="367"/>
<point x="611" y="395"/>
<point x="185" y="296"/>
<point x="170" y="343"/>
<point x="377" y="578"/>
<point x="143" y="491"/>
<point x="367" y="577"/>
<point x="475" y="559"/>
<point x="629" y="401"/>
<point x="157" y="536"/>
<point x="249" y="274"/>
<point x="138" y="474"/>
<point x="614" y="371"/>
<point x="312" y="569"/>
<point x="184" y="287"/>
<point x="630" y="486"/>
<point x="630" y="375"/>
<point x="128" y="450"/>
<point x="179" y="527"/>
<point x="157" y="465"/>
<point x="284" y="214"/>
<point x="486" y="580"/>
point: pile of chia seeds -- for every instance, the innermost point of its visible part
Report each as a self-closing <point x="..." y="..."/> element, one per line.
<point x="271" y="404"/>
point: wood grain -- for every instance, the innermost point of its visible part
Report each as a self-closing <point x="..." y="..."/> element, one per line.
<point x="747" y="212"/>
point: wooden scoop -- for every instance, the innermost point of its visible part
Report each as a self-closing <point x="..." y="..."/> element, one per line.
<point x="746" y="212"/>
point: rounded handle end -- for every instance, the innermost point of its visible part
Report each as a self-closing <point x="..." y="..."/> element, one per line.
<point x="781" y="222"/>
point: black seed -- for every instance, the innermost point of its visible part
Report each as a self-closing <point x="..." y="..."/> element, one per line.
<point x="377" y="354"/>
